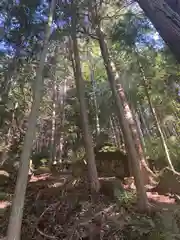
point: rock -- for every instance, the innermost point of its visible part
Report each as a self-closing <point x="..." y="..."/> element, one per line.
<point x="109" y="185"/>
<point x="109" y="164"/>
<point x="169" y="182"/>
<point x="42" y="170"/>
<point x="112" y="164"/>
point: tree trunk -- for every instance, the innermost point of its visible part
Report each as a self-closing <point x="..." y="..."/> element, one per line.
<point x="53" y="126"/>
<point x="160" y="132"/>
<point x="121" y="139"/>
<point x="117" y="129"/>
<point x="95" y="101"/>
<point x="131" y="151"/>
<point x="53" y="63"/>
<point x="92" y="170"/>
<point x="165" y="16"/>
<point x="113" y="133"/>
<point x="146" y="130"/>
<point x="14" y="227"/>
<point x="62" y="106"/>
<point x="146" y="172"/>
<point x="93" y="82"/>
<point x="141" y="136"/>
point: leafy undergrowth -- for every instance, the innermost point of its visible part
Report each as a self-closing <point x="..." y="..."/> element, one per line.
<point x="62" y="208"/>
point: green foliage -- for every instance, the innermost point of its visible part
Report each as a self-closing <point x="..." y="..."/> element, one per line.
<point x="4" y="196"/>
<point x="124" y="198"/>
<point x="131" y="29"/>
<point x="143" y="227"/>
<point x="40" y="159"/>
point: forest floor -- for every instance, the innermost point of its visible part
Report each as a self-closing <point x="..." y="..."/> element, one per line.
<point x="60" y="207"/>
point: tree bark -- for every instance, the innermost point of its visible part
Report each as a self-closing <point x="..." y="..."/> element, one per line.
<point x="92" y="170"/>
<point x="130" y="147"/>
<point x="153" y="112"/>
<point x="14" y="227"/>
<point x="114" y="133"/>
<point x="53" y="125"/>
<point x="146" y="172"/>
<point x="165" y="16"/>
<point x="141" y="136"/>
<point x="94" y="95"/>
<point x="62" y="106"/>
<point x="53" y="75"/>
<point x="117" y="130"/>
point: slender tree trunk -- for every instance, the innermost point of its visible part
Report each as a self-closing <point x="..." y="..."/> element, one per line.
<point x="144" y="168"/>
<point x="58" y="125"/>
<point x="117" y="130"/>
<point x="55" y="107"/>
<point x="138" y="127"/>
<point x="113" y="133"/>
<point x="165" y="132"/>
<point x="174" y="129"/>
<point x="53" y="62"/>
<point x="161" y="135"/>
<point x="165" y="16"/>
<point x="53" y="126"/>
<point x="62" y="103"/>
<point x="92" y="170"/>
<point x="95" y="102"/>
<point x="93" y="82"/>
<point x="143" y="119"/>
<point x="141" y="193"/>
<point x="141" y="136"/>
<point x="14" y="227"/>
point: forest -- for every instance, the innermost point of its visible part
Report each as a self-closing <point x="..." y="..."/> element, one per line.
<point x="89" y="119"/>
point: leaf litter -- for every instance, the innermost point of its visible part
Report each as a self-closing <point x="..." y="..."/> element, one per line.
<point x="62" y="208"/>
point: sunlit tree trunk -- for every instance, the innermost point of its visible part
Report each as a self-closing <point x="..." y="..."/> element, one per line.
<point x="117" y="130"/>
<point x="95" y="102"/>
<point x="15" y="221"/>
<point x="138" y="127"/>
<point x="143" y="119"/>
<point x="129" y="142"/>
<point x="141" y="136"/>
<point x="62" y="106"/>
<point x="153" y="112"/>
<point x="113" y="133"/>
<point x="144" y="168"/>
<point x="53" y="126"/>
<point x="93" y="82"/>
<point x="120" y="134"/>
<point x="55" y="107"/>
<point x="57" y="134"/>
<point x="92" y="170"/>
